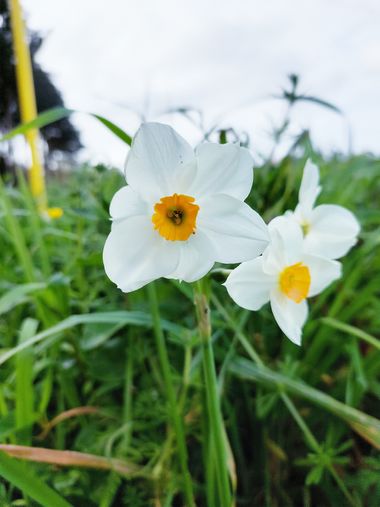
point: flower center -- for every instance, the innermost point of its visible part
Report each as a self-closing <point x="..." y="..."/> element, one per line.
<point x="295" y="282"/>
<point x="175" y="217"/>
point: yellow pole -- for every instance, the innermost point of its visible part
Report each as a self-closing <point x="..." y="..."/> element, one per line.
<point x="27" y="102"/>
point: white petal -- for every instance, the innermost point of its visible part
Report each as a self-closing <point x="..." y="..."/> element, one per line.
<point x="322" y="272"/>
<point x="290" y="316"/>
<point x="157" y="156"/>
<point x="126" y="202"/>
<point x="236" y="231"/>
<point x="274" y="259"/>
<point x="130" y="287"/>
<point x="134" y="253"/>
<point x="223" y="169"/>
<point x="183" y="180"/>
<point x="249" y="286"/>
<point x="196" y="258"/>
<point x="286" y="244"/>
<point x="310" y="188"/>
<point x="333" y="231"/>
<point x="301" y="214"/>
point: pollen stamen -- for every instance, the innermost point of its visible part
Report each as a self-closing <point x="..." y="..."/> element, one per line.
<point x="175" y="217"/>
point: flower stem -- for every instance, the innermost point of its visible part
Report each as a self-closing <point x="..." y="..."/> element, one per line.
<point x="213" y="404"/>
<point x="170" y="392"/>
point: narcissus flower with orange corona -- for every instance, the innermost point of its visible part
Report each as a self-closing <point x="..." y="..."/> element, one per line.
<point x="285" y="276"/>
<point x="329" y="230"/>
<point x="181" y="210"/>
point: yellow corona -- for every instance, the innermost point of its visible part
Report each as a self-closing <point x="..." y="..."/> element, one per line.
<point x="295" y="282"/>
<point x="175" y="217"/>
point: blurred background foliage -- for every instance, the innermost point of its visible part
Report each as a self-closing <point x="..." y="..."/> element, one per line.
<point x="295" y="436"/>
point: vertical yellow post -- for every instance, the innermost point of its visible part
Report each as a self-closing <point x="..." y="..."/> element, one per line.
<point x="27" y="102"/>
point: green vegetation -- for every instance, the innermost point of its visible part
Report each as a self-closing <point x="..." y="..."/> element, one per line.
<point x="80" y="369"/>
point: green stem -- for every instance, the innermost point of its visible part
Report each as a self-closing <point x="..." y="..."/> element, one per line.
<point x="208" y="461"/>
<point x="240" y="335"/>
<point x="128" y="387"/>
<point x="172" y="402"/>
<point x="309" y="437"/>
<point x="213" y="405"/>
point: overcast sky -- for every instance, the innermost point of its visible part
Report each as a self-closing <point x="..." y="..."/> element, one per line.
<point x="224" y="57"/>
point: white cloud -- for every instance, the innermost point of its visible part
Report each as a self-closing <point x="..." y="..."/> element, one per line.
<point x="216" y="56"/>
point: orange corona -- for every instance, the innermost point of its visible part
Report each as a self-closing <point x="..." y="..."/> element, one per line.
<point x="295" y="282"/>
<point x="175" y="217"/>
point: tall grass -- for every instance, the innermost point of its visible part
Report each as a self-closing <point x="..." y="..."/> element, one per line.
<point x="80" y="372"/>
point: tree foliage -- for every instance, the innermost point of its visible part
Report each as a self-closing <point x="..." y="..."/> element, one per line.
<point x="60" y="136"/>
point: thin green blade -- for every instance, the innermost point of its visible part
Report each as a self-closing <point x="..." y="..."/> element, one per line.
<point x="21" y="476"/>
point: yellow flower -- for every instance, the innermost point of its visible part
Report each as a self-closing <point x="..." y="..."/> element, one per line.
<point x="54" y="213"/>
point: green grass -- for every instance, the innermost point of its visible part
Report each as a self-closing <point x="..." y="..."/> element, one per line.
<point x="302" y="423"/>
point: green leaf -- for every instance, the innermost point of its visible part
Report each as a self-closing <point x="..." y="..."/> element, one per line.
<point x="22" y="477"/>
<point x="315" y="475"/>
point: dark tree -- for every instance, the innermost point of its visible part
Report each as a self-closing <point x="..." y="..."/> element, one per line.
<point x="60" y="136"/>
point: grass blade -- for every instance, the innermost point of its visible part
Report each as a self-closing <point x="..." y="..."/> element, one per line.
<point x="114" y="129"/>
<point x="18" y="295"/>
<point x="41" y="120"/>
<point x="353" y="331"/>
<point x="67" y="459"/>
<point x="57" y="113"/>
<point x="366" y="426"/>
<point x="126" y="317"/>
<point x="24" y="382"/>
<point x="22" y="477"/>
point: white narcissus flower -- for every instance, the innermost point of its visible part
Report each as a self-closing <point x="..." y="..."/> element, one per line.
<point x="283" y="275"/>
<point x="329" y="230"/>
<point x="181" y="210"/>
